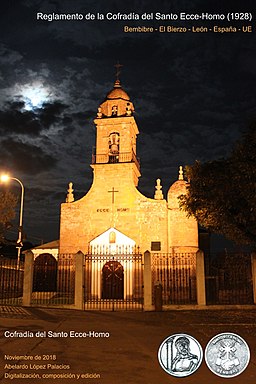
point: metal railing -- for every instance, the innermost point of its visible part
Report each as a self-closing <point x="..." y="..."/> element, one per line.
<point x="54" y="280"/>
<point x="113" y="282"/>
<point x="11" y="281"/>
<point x="229" y="278"/>
<point x="122" y="157"/>
<point x="177" y="275"/>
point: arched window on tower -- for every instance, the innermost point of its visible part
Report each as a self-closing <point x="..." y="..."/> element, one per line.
<point x="113" y="147"/>
<point x="114" y="110"/>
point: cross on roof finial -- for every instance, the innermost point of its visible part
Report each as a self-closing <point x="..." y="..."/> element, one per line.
<point x="118" y="67"/>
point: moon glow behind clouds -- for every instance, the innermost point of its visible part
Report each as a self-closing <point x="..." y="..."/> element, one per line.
<point x="34" y="95"/>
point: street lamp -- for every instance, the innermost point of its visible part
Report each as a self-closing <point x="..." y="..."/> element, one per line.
<point x="4" y="179"/>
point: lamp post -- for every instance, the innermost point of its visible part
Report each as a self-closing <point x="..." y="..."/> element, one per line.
<point x="4" y="179"/>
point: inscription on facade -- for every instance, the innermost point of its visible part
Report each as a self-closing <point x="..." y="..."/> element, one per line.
<point x="108" y="210"/>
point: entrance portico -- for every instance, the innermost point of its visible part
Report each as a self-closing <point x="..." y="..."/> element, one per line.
<point x="111" y="262"/>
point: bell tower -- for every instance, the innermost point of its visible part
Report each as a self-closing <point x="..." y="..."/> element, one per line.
<point x="116" y="136"/>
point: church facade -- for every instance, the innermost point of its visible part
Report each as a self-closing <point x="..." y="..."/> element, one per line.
<point x="114" y="217"/>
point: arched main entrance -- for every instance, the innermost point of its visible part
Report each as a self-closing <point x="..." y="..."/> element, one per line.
<point x="112" y="280"/>
<point x="45" y="273"/>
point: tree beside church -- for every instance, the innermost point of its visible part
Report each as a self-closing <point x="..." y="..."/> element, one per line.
<point x="7" y="212"/>
<point x="222" y="193"/>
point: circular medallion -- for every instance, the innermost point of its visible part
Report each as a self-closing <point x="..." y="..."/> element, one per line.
<point x="227" y="355"/>
<point x="180" y="355"/>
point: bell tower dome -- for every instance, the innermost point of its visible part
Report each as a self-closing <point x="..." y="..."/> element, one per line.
<point x="116" y="132"/>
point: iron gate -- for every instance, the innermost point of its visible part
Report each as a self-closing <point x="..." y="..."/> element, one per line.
<point x="229" y="279"/>
<point x="113" y="282"/>
<point x="53" y="280"/>
<point x="45" y="273"/>
<point x="11" y="281"/>
<point x="176" y="272"/>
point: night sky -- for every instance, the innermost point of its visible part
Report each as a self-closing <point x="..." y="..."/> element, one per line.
<point x="194" y="94"/>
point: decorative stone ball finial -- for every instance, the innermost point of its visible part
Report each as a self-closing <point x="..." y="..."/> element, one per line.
<point x="158" y="192"/>
<point x="70" y="195"/>
<point x="99" y="113"/>
<point x="181" y="173"/>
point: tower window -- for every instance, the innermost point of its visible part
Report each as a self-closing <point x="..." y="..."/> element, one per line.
<point x="114" y="110"/>
<point x="114" y="143"/>
<point x="113" y="147"/>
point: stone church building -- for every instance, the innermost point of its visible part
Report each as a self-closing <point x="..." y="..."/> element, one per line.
<point x="114" y="217"/>
<point x="114" y="224"/>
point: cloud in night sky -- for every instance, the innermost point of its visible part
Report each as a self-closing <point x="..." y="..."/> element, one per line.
<point x="14" y="118"/>
<point x="193" y="96"/>
<point x="25" y="157"/>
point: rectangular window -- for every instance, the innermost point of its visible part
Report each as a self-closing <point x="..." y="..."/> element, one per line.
<point x="155" y="245"/>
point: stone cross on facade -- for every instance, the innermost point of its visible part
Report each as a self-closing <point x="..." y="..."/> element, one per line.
<point x="113" y="194"/>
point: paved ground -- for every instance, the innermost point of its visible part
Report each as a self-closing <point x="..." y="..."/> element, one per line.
<point x="128" y="355"/>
